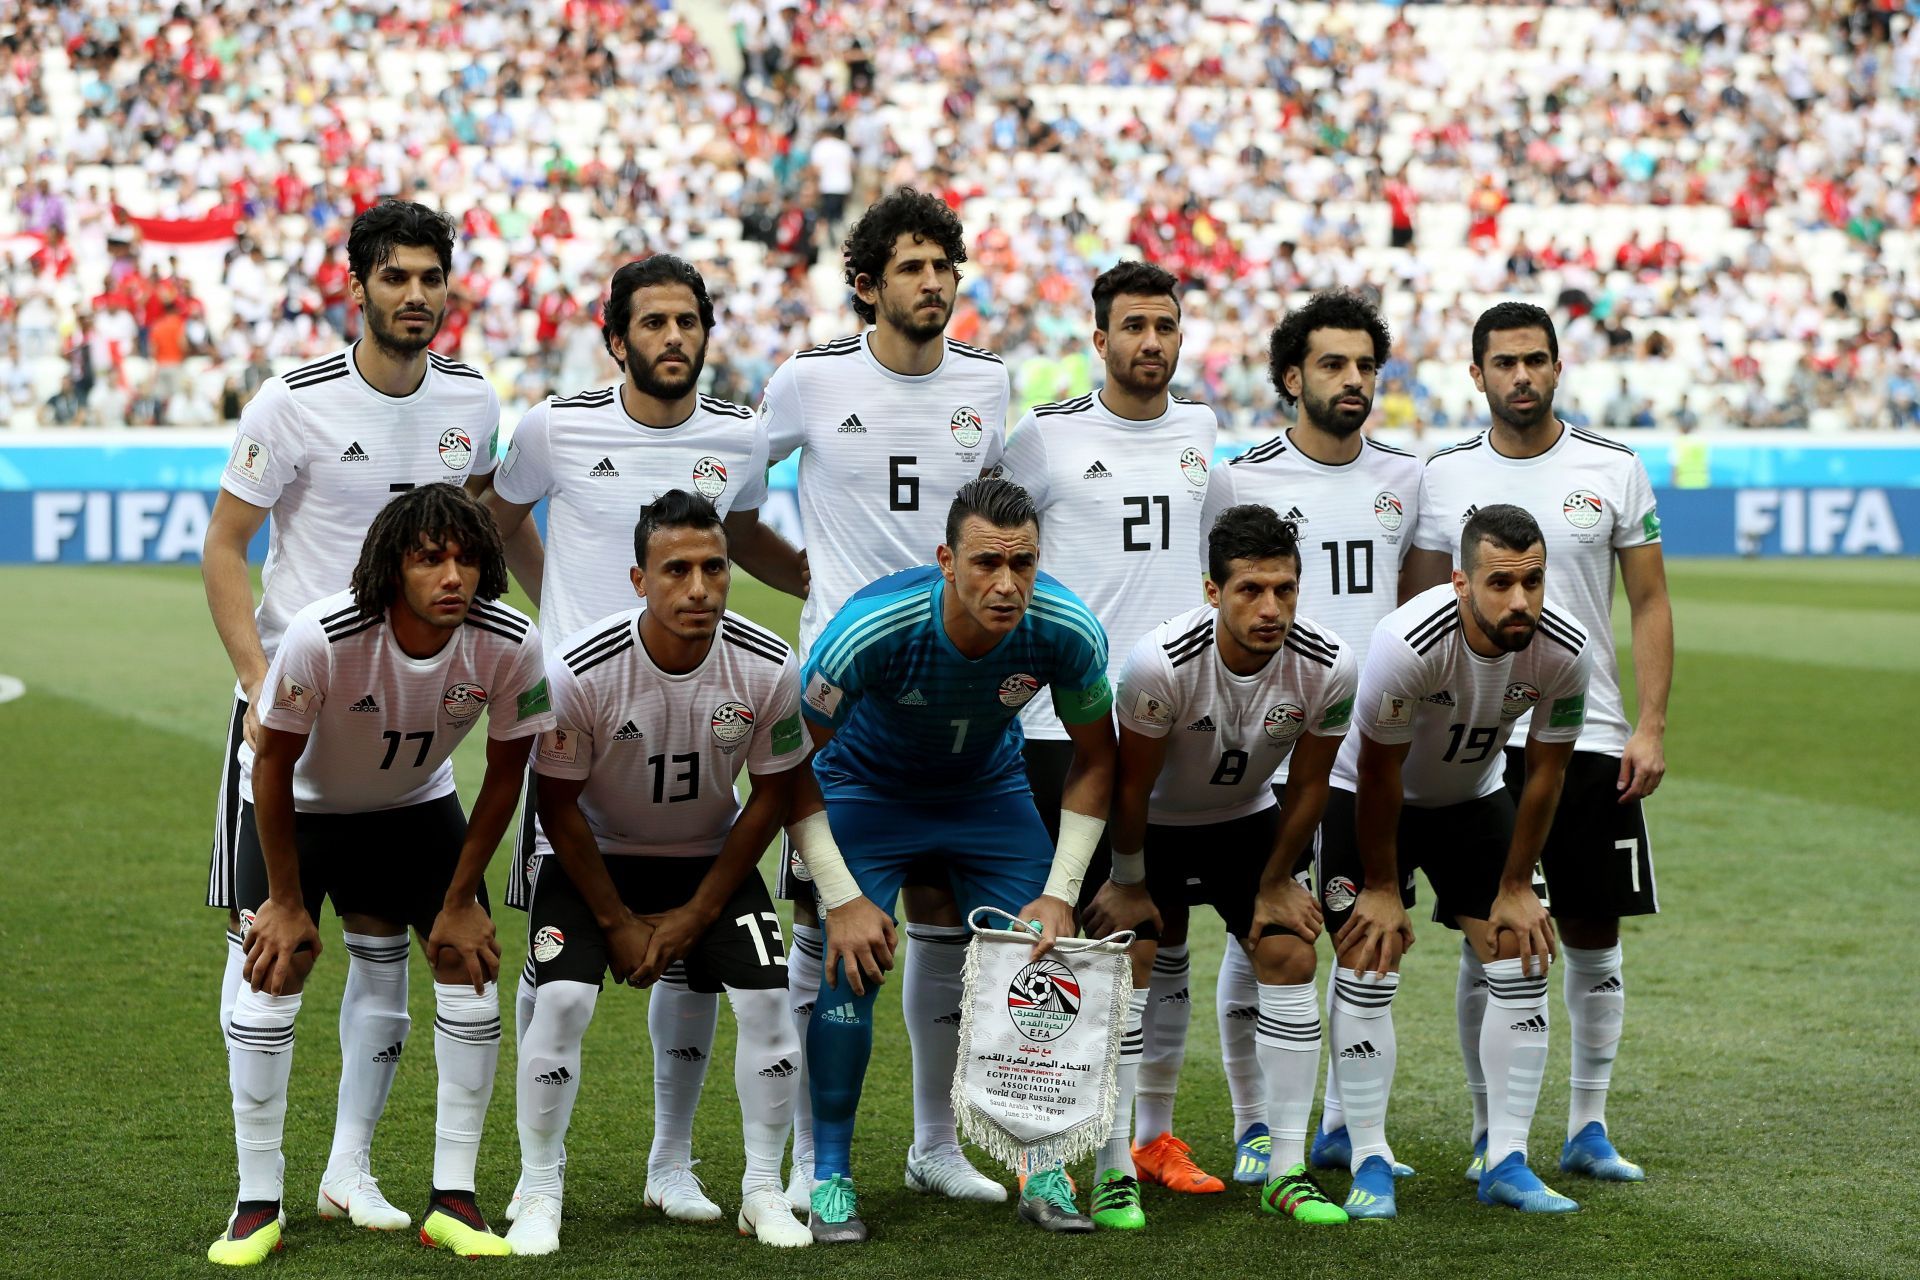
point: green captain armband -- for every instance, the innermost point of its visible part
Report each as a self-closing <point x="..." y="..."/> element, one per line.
<point x="1084" y="706"/>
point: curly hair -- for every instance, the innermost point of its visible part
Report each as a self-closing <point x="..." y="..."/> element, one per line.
<point x="391" y="223"/>
<point x="1333" y="309"/>
<point x="1250" y="532"/>
<point x="436" y="514"/>
<point x="661" y="268"/>
<point x="869" y="245"/>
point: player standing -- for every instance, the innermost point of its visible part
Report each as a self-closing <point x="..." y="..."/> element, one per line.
<point x="1447" y="677"/>
<point x="882" y="418"/>
<point x="350" y="796"/>
<point x="1211" y="703"/>
<point x="1119" y="477"/>
<point x="1353" y="502"/>
<point x="599" y="457"/>
<point x="659" y="709"/>
<point x="912" y="693"/>
<point x="322" y="450"/>
<point x="1594" y="499"/>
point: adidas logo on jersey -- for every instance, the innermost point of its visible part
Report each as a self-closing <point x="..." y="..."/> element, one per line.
<point x="784" y="1067"/>
<point x="1097" y="471"/>
<point x="628" y="732"/>
<point x="355" y="453"/>
<point x="1364" y="1049"/>
<point x="1470" y="513"/>
<point x="605" y="468"/>
<point x="843" y="1014"/>
<point x="365" y="704"/>
<point x="1440" y="699"/>
<point x="852" y="426"/>
<point x="1178" y="997"/>
<point x="1611" y="985"/>
<point x="689" y="1054"/>
<point x="911" y="698"/>
<point x="1296" y="515"/>
<point x="1535" y="1023"/>
<point x="559" y="1075"/>
<point x="391" y="1053"/>
<point x="1203" y="725"/>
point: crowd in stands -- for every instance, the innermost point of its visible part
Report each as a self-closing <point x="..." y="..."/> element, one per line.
<point x="1718" y="199"/>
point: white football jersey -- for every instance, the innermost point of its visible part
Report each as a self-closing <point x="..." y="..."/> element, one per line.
<point x="1356" y="524"/>
<point x="599" y="466"/>
<point x="1591" y="497"/>
<point x="325" y="451"/>
<point x="380" y="725"/>
<point x="660" y="752"/>
<point x="1229" y="732"/>
<point x="1422" y="683"/>
<point x="882" y="456"/>
<point x="1119" y="504"/>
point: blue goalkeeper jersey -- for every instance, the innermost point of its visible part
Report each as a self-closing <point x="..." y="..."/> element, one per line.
<point x="914" y="719"/>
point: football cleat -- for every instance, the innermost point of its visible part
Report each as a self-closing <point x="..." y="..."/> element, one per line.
<point x="1297" y="1196"/>
<point x="1512" y="1184"/>
<point x="767" y="1217"/>
<point x="946" y="1171"/>
<point x="1168" y="1162"/>
<point x="676" y="1192"/>
<point x="1251" y="1153"/>
<point x="513" y="1205"/>
<point x="1046" y="1200"/>
<point x="1372" y="1193"/>
<point x="253" y="1232"/>
<point x="1590" y="1153"/>
<point x="833" y="1215"/>
<point x="1333" y="1149"/>
<point x="800" y="1187"/>
<point x="349" y="1190"/>
<point x="1116" y="1203"/>
<point x="1477" y="1165"/>
<point x="453" y="1223"/>
<point x="536" y="1230"/>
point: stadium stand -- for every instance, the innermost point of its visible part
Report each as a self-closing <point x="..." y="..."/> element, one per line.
<point x="1718" y="199"/>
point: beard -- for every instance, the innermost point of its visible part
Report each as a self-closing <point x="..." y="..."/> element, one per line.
<point x="394" y="342"/>
<point x="914" y="323"/>
<point x="649" y="383"/>
<point x="1333" y="418"/>
<point x="1141" y="383"/>
<point x="1524" y="420"/>
<point x="1510" y="643"/>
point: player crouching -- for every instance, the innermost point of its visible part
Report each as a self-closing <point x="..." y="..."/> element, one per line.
<point x="1211" y="704"/>
<point x="659" y="708"/>
<point x="351" y="797"/>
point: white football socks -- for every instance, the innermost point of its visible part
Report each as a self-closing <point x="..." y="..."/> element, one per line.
<point x="1596" y="1006"/>
<point x="765" y="1067"/>
<point x="681" y="1023"/>
<point x="1469" y="1008"/>
<point x="466" y="1048"/>
<point x="259" y="1062"/>
<point x="547" y="1082"/>
<point x="373" y="1032"/>
<point x="804" y="959"/>
<point x="1332" y="1113"/>
<point x="1236" y="1010"/>
<point x="1513" y="1054"/>
<point x="1168" y="1016"/>
<point x="1288" y="1040"/>
<point x="1118" y="1151"/>
<point x="930" y="998"/>
<point x="1363" y="1057"/>
<point x="230" y="979"/>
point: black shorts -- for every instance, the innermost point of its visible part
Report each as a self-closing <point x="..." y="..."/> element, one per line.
<point x="1462" y="848"/>
<point x="226" y="817"/>
<point x="1218" y="865"/>
<point x="1597" y="859"/>
<point x="743" y="949"/>
<point x="391" y="864"/>
<point x="1048" y="762"/>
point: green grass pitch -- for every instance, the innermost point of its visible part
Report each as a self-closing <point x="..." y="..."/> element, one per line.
<point x="1768" y="1078"/>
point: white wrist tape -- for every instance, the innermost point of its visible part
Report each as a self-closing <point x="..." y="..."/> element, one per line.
<point x="814" y="839"/>
<point x="1129" y="868"/>
<point x="1074" y="850"/>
